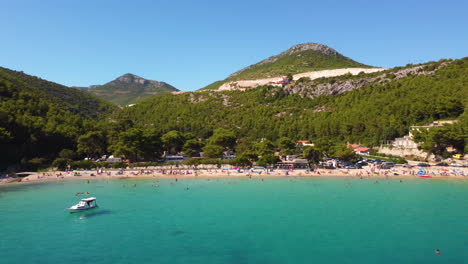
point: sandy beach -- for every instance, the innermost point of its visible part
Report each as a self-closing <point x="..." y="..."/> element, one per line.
<point x="175" y="172"/>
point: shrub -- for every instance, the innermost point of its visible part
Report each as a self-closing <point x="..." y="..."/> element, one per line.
<point x="67" y="154"/>
<point x="84" y="164"/>
<point x="241" y="162"/>
<point x="118" y="165"/>
<point x="264" y="161"/>
<point x="390" y="76"/>
<point x="61" y="163"/>
<point x="36" y="163"/>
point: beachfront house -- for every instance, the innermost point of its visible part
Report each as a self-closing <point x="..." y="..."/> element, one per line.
<point x="360" y="150"/>
<point x="405" y="146"/>
<point x="174" y="158"/>
<point x="293" y="164"/>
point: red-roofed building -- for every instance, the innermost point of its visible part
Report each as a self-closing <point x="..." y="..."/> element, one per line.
<point x="361" y="150"/>
<point x="353" y="146"/>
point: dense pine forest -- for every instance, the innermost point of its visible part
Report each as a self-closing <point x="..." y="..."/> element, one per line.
<point x="370" y="115"/>
<point x="42" y="122"/>
<point x="40" y="118"/>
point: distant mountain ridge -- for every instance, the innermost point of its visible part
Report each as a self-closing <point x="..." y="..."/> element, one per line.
<point x="298" y="59"/>
<point x="129" y="89"/>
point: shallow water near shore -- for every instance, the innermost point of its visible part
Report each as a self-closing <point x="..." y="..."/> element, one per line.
<point x="237" y="220"/>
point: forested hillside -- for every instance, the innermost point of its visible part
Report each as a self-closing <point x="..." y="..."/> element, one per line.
<point x="39" y="118"/>
<point x="384" y="108"/>
<point x="37" y="128"/>
<point x="74" y="100"/>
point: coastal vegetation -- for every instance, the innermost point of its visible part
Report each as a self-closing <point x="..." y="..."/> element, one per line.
<point x="38" y="128"/>
<point x="39" y="118"/>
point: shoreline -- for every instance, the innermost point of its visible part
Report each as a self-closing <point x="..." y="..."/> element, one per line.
<point x="54" y="176"/>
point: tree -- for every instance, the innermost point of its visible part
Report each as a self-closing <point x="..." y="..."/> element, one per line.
<point x="324" y="146"/>
<point x="129" y="144"/>
<point x="268" y="160"/>
<point x="67" y="154"/>
<point x="213" y="151"/>
<point x="344" y="153"/>
<point x="92" y="144"/>
<point x="61" y="163"/>
<point x="224" y="138"/>
<point x="265" y="147"/>
<point x="437" y="140"/>
<point x="151" y="146"/>
<point x="313" y="155"/>
<point x="286" y="145"/>
<point x="242" y="162"/>
<point x="192" y="162"/>
<point x="173" y="141"/>
<point x="193" y="147"/>
<point x="137" y="144"/>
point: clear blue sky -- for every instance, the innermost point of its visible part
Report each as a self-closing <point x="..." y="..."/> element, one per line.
<point x="190" y="44"/>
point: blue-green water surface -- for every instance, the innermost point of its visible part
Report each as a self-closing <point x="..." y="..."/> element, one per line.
<point x="237" y="220"/>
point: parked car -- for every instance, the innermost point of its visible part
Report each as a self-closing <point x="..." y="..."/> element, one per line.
<point x="442" y="164"/>
<point x="407" y="165"/>
<point x="361" y="163"/>
<point x="456" y="165"/>
<point x="423" y="164"/>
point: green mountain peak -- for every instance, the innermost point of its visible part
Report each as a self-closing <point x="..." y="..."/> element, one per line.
<point x="300" y="58"/>
<point x="130" y="88"/>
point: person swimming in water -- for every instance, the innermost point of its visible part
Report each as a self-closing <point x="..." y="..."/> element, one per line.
<point x="437" y="251"/>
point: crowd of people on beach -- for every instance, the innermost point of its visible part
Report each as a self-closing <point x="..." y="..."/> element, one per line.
<point x="368" y="171"/>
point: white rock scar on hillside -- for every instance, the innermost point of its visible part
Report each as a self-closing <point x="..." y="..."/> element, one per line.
<point x="312" y="75"/>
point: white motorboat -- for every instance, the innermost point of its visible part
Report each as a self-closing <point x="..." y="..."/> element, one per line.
<point x="83" y="205"/>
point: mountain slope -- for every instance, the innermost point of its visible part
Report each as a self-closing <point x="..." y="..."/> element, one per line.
<point x="39" y="118"/>
<point x="366" y="108"/>
<point x="74" y="100"/>
<point x="298" y="59"/>
<point x="129" y="88"/>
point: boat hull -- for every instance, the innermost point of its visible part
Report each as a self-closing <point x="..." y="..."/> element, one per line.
<point x="77" y="210"/>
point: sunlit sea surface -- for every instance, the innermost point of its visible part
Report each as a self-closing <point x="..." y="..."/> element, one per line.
<point x="237" y="220"/>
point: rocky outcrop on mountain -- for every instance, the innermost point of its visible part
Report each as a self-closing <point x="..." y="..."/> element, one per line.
<point x="276" y="81"/>
<point x="331" y="86"/>
<point x="134" y="79"/>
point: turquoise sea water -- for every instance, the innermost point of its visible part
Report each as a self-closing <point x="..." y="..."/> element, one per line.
<point x="287" y="220"/>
